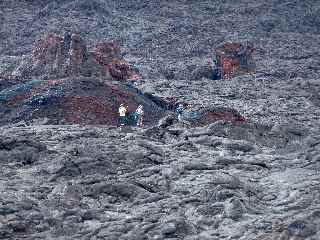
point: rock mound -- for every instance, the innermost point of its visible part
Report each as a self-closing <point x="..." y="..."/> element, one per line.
<point x="56" y="56"/>
<point x="67" y="83"/>
<point x="90" y="100"/>
<point x="73" y="101"/>
<point x="212" y="114"/>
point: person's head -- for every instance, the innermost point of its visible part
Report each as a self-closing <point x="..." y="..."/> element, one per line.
<point x="121" y="105"/>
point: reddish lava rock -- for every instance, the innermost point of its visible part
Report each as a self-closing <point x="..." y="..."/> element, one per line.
<point x="94" y="110"/>
<point x="55" y="56"/>
<point x="235" y="59"/>
<point x="225" y="114"/>
<point x="108" y="55"/>
<point x="105" y="52"/>
<point x="212" y="114"/>
<point x="74" y="101"/>
<point x="81" y="90"/>
<point x="90" y="101"/>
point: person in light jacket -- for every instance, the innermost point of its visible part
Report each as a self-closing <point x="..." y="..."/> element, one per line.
<point x="140" y="116"/>
<point x="122" y="115"/>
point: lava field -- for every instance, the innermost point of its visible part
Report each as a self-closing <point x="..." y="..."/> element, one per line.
<point x="243" y="160"/>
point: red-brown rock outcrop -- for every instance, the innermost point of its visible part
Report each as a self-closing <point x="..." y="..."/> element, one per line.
<point x="56" y="56"/>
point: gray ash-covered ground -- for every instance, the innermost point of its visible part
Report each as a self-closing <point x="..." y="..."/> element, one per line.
<point x="255" y="180"/>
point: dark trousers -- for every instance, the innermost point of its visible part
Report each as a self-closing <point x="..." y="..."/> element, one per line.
<point x="123" y="120"/>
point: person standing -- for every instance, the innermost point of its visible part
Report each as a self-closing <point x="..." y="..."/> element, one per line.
<point x="122" y="114"/>
<point x="140" y="116"/>
<point x="180" y="110"/>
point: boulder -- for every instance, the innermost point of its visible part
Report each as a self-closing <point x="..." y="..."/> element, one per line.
<point x="105" y="52"/>
<point x="210" y="114"/>
<point x="108" y="55"/>
<point x="233" y="59"/>
<point x="234" y="208"/>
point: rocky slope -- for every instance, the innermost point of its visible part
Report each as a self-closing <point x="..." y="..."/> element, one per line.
<point x="253" y="179"/>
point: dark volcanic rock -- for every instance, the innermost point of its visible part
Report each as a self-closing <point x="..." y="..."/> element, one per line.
<point x="212" y="114"/>
<point x="243" y="162"/>
<point x="73" y="100"/>
<point x="301" y="228"/>
<point x="54" y="56"/>
<point x="84" y="100"/>
<point x="234" y="208"/>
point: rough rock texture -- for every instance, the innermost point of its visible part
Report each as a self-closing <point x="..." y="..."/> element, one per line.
<point x="73" y="101"/>
<point x="99" y="182"/>
<point x="83" y="100"/>
<point x="234" y="59"/>
<point x="54" y="56"/>
<point x="256" y="179"/>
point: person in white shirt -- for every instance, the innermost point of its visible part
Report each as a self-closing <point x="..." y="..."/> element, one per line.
<point x="122" y="114"/>
<point x="140" y="116"/>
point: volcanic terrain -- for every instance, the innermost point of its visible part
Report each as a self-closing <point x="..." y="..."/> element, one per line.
<point x="243" y="163"/>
